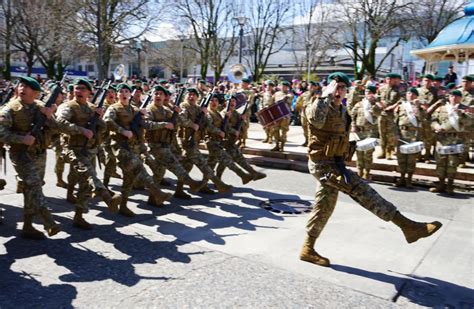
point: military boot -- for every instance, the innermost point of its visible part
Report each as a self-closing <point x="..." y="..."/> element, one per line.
<point x="3" y="183"/>
<point x="440" y="187"/>
<point x="409" y="183"/>
<point x="51" y="227"/>
<point x="276" y="148"/>
<point x="70" y="194"/>
<point x="79" y="221"/>
<point x="308" y="254"/>
<point x="265" y="140"/>
<point x="401" y="181"/>
<point x="19" y="187"/>
<point x="157" y="197"/>
<point x="28" y="231"/>
<point x="112" y="201"/>
<point x="60" y="182"/>
<point x="366" y="174"/>
<point x="207" y="190"/>
<point x="360" y="172"/>
<point x="220" y="171"/>
<point x="194" y="186"/>
<point x="106" y="180"/>
<point x="382" y="154"/>
<point x="415" y="230"/>
<point x="165" y="183"/>
<point x="114" y="174"/>
<point x="281" y="147"/>
<point x="124" y="210"/>
<point x="258" y="175"/>
<point x="221" y="186"/>
<point x="450" y="187"/>
<point x="179" y="193"/>
<point x="246" y="178"/>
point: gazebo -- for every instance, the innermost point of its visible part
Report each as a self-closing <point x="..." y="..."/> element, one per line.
<point x="454" y="43"/>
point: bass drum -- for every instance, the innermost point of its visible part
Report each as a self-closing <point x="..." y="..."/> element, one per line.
<point x="271" y="114"/>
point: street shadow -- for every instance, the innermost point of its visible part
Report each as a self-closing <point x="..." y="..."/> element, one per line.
<point x="423" y="291"/>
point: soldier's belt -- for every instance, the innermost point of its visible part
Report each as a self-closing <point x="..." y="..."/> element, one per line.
<point x="408" y="128"/>
<point x="450" y="149"/>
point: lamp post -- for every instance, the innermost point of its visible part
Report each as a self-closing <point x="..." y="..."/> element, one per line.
<point x="139" y="48"/>
<point x="241" y="20"/>
<point x="181" y="38"/>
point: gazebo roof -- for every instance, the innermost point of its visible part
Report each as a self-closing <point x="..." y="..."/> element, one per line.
<point x="454" y="42"/>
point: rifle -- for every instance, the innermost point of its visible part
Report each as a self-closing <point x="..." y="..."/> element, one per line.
<point x="177" y="101"/>
<point x="92" y="125"/>
<point x="136" y="123"/>
<point x="200" y="116"/>
<point x="226" y="117"/>
<point x="240" y="122"/>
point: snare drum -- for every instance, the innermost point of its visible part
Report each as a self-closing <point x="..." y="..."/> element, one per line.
<point x="450" y="149"/>
<point x="367" y="144"/>
<point x="411" y="148"/>
<point x="271" y="114"/>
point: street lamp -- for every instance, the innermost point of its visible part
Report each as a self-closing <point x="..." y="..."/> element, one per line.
<point x="181" y="38"/>
<point x="241" y="20"/>
<point x="138" y="47"/>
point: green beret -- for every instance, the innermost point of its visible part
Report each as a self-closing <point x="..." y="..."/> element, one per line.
<point x="84" y="82"/>
<point x="372" y="89"/>
<point x="145" y="83"/>
<point x="124" y="86"/>
<point x="30" y="82"/>
<point x="438" y="78"/>
<point x="393" y="75"/>
<point x="413" y="90"/>
<point x="138" y="81"/>
<point x="339" y="77"/>
<point x="202" y="81"/>
<point x="246" y="80"/>
<point x="160" y="88"/>
<point x="285" y="83"/>
<point x="313" y="83"/>
<point x="137" y="88"/>
<point x="456" y="93"/>
<point x="358" y="82"/>
<point x="167" y="92"/>
<point x="70" y="88"/>
<point x="429" y="76"/>
<point x="469" y="78"/>
<point x="451" y="86"/>
<point x="162" y="81"/>
<point x="113" y="87"/>
<point x="194" y="90"/>
<point x="269" y="83"/>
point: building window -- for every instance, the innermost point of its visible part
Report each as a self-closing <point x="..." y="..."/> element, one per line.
<point x="90" y="68"/>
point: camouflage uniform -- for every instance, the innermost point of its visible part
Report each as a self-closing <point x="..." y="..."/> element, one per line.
<point x="329" y="139"/>
<point x="281" y="127"/>
<point x="387" y="129"/>
<point x="468" y="137"/>
<point x="305" y="99"/>
<point x="427" y="96"/>
<point x="16" y="121"/>
<point x="246" y="123"/>
<point x="355" y="96"/>
<point x="409" y="132"/>
<point x="110" y="159"/>
<point x="446" y="164"/>
<point x="267" y="100"/>
<point x="365" y="126"/>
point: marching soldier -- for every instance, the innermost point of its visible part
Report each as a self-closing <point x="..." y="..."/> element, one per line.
<point x="137" y="92"/>
<point x="449" y="122"/>
<point x="329" y="125"/>
<point x="28" y="153"/>
<point x="80" y="150"/>
<point x="408" y="115"/>
<point x="281" y="127"/>
<point x="127" y="146"/>
<point x="110" y="169"/>
<point x="267" y="100"/>
<point x="364" y="117"/>
<point x="389" y="95"/>
<point x="193" y="133"/>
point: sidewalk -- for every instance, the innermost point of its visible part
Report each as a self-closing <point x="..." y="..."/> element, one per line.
<point x="295" y="158"/>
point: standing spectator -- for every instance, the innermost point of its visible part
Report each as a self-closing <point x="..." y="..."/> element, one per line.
<point x="451" y="77"/>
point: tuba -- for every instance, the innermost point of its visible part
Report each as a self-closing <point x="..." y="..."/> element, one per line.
<point x="119" y="73"/>
<point x="237" y="72"/>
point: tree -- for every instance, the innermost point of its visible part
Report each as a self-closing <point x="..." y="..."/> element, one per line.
<point x="170" y="56"/>
<point x="6" y="35"/>
<point x="365" y="23"/>
<point x="106" y="24"/>
<point x="265" y="23"/>
<point x="212" y="32"/>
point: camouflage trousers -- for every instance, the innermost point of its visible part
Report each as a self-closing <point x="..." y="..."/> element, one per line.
<point x="428" y="137"/>
<point x="30" y="169"/>
<point x="446" y="165"/>
<point x="304" y="125"/>
<point x="280" y="130"/>
<point x="406" y="162"/>
<point x="192" y="156"/>
<point x="110" y="160"/>
<point x="387" y="132"/>
<point x="364" y="159"/>
<point x="244" y="133"/>
<point x="166" y="159"/>
<point x="237" y="156"/>
<point x="326" y="196"/>
<point x="83" y="172"/>
<point x="132" y="167"/>
<point x="218" y="154"/>
<point x="60" y="163"/>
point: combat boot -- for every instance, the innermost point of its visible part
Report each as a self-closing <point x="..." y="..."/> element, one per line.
<point x="19" y="187"/>
<point x="276" y="148"/>
<point x="401" y="181"/>
<point x="106" y="180"/>
<point x="79" y="222"/>
<point x="51" y="227"/>
<point x="265" y="140"/>
<point x="450" y="187"/>
<point x="3" y="183"/>
<point x="282" y="146"/>
<point x="60" y="182"/>
<point x="440" y="187"/>
<point x="382" y="154"/>
<point x="258" y="175"/>
<point x="221" y="186"/>
<point x="207" y="190"/>
<point x="124" y="210"/>
<point x="114" y="174"/>
<point x="220" y="171"/>
<point x="194" y="186"/>
<point x="70" y="194"/>
<point x="366" y="174"/>
<point x="409" y="183"/>
<point x="308" y="254"/>
<point x="157" y="197"/>
<point x="179" y="193"/>
<point x="112" y="201"/>
<point x="415" y="230"/>
<point x="165" y="183"/>
<point x="28" y="231"/>
<point x="246" y="178"/>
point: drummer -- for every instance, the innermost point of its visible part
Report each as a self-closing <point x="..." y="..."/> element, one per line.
<point x="365" y="114"/>
<point x="408" y="115"/>
<point x="449" y="122"/>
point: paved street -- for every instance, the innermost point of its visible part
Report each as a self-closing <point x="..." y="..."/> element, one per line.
<point x="227" y="251"/>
